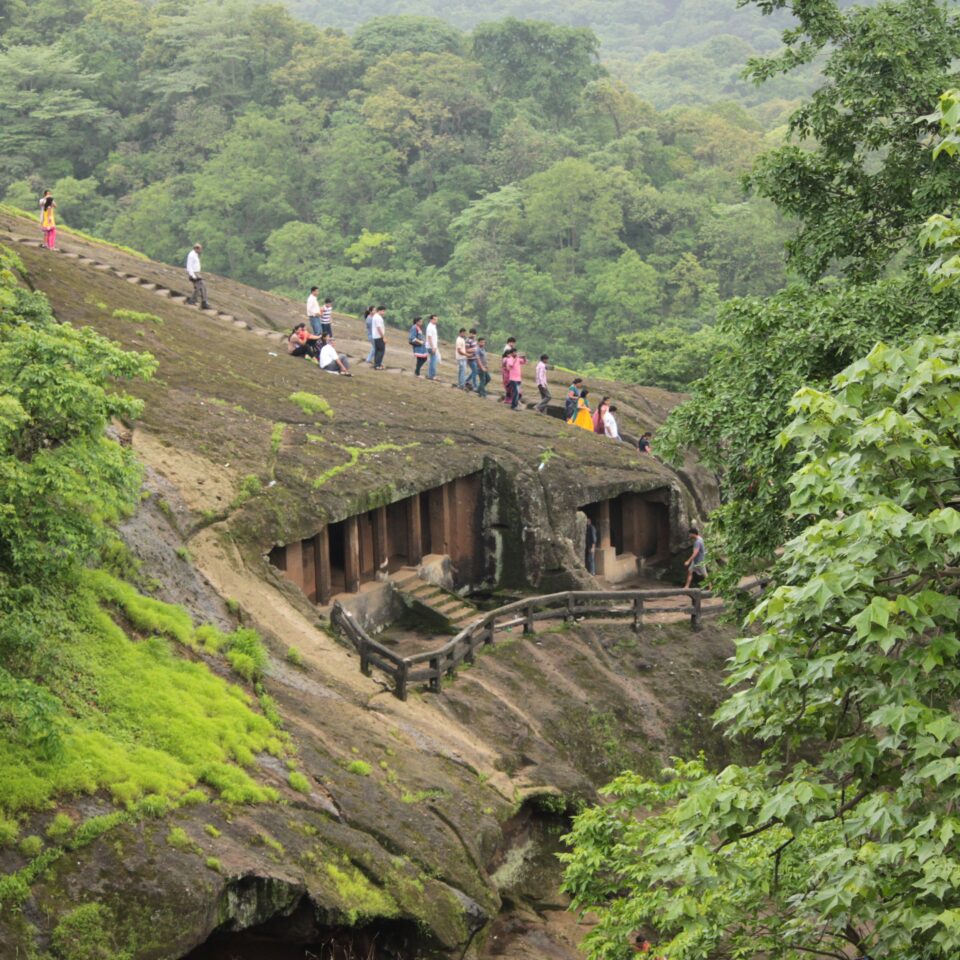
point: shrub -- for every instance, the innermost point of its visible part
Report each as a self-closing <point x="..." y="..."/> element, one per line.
<point x="295" y="657"/>
<point x="211" y="831"/>
<point x="60" y="827"/>
<point x="359" y="767"/>
<point x="31" y="846"/>
<point x="135" y="316"/>
<point x="9" y="830"/>
<point x="86" y="934"/>
<point x="299" y="782"/>
<point x="178" y="839"/>
<point x="311" y="404"/>
<point x="214" y="864"/>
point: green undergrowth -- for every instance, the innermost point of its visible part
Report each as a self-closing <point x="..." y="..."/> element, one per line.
<point x="354" y="454"/>
<point x="134" y="719"/>
<point x="136" y="316"/>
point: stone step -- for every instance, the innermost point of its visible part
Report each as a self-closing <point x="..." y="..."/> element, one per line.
<point x="163" y="292"/>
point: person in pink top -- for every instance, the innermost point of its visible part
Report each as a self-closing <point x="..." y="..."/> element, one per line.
<point x="513" y="366"/>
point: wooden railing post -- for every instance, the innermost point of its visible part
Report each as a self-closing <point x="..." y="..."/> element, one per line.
<point x="435" y="679"/>
<point x="364" y="656"/>
<point x="637" y="614"/>
<point x="568" y="616"/>
<point x="528" y="623"/>
<point x="491" y="632"/>
<point x="695" y="615"/>
<point x="401" y="689"/>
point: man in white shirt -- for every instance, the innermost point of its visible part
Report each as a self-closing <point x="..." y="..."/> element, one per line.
<point x="433" y="347"/>
<point x="332" y="361"/>
<point x="610" y="428"/>
<point x="378" y="328"/>
<point x="193" y="273"/>
<point x="313" y="311"/>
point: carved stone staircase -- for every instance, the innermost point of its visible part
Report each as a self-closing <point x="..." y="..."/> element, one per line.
<point x="449" y="610"/>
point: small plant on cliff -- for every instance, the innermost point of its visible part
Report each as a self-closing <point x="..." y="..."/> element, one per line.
<point x="311" y="404"/>
<point x="134" y="316"/>
<point x="88" y="933"/>
<point x="360" y="767"/>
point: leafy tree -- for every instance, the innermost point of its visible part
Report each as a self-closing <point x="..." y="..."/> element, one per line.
<point x="859" y="176"/>
<point x="803" y="335"/>
<point x="670" y="355"/>
<point x="47" y="114"/>
<point x="550" y="65"/>
<point x="386" y="36"/>
<point x="842" y="838"/>
<point x="626" y="296"/>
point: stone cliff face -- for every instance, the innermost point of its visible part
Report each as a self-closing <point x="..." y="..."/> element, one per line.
<point x="398" y="848"/>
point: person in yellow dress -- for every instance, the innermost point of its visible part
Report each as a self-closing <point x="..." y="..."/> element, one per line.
<point x="582" y="417"/>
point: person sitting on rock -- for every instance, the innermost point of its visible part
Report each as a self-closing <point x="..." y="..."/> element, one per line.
<point x="332" y="361"/>
<point x="302" y="343"/>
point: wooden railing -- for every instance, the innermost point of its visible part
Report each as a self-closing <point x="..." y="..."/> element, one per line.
<point x="434" y="665"/>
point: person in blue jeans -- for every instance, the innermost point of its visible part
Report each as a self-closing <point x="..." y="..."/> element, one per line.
<point x="368" y="320"/>
<point x="483" y="373"/>
<point x="433" y="347"/>
<point x="470" y="345"/>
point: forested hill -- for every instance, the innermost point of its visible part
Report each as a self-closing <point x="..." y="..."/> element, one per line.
<point x="666" y="50"/>
<point x="500" y="178"/>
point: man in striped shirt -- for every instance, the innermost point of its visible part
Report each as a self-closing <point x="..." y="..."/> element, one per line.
<point x="326" y="318"/>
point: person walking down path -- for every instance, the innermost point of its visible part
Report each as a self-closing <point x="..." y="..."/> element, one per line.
<point x="332" y="361"/>
<point x="582" y="416"/>
<point x="418" y="340"/>
<point x="368" y="323"/>
<point x="433" y="347"/>
<point x="570" y="403"/>
<point x="610" y="428"/>
<point x="695" y="563"/>
<point x="48" y="221"/>
<point x="302" y="343"/>
<point x="542" y="386"/>
<point x="196" y="278"/>
<point x="326" y="318"/>
<point x="599" y="415"/>
<point x="378" y="329"/>
<point x="313" y="311"/>
<point x="483" y="375"/>
<point x="514" y="363"/>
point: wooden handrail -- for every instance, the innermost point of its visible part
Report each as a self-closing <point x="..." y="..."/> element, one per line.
<point x="627" y="604"/>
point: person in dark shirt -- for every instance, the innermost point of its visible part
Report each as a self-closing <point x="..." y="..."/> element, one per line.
<point x="644" y="443"/>
<point x="593" y="538"/>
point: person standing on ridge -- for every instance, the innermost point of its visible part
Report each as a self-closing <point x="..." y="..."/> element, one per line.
<point x="542" y="386"/>
<point x="368" y="322"/>
<point x="418" y="340"/>
<point x="570" y="403"/>
<point x="582" y="416"/>
<point x="695" y="563"/>
<point x="483" y="371"/>
<point x="470" y="347"/>
<point x="593" y="539"/>
<point x="599" y="414"/>
<point x="460" y="351"/>
<point x="48" y="221"/>
<point x="513" y="364"/>
<point x="326" y="318"/>
<point x="378" y="329"/>
<point x="196" y="278"/>
<point x="507" y="347"/>
<point x="313" y="311"/>
<point x="432" y="343"/>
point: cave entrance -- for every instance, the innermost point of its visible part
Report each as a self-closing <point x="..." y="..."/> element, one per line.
<point x="446" y="520"/>
<point x="634" y="533"/>
<point x="300" y="937"/>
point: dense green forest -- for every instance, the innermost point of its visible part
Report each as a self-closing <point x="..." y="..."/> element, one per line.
<point x="500" y="178"/>
<point x="667" y="51"/>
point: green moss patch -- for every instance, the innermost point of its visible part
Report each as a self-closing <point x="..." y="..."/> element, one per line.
<point x="311" y="404"/>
